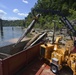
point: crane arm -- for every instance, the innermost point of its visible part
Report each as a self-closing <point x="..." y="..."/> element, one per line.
<point x="63" y="19"/>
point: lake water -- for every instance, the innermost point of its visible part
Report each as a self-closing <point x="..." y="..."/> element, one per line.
<point x="10" y="33"/>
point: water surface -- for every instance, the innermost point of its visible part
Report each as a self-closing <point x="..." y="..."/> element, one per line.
<point x="10" y="33"/>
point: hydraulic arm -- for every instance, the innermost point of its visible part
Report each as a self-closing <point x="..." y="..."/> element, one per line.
<point x="63" y="19"/>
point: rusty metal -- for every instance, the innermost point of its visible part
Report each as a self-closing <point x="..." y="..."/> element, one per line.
<point x="12" y="63"/>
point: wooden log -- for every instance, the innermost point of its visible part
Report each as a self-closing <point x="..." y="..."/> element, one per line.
<point x="38" y="39"/>
<point x="32" y="40"/>
<point x="28" y="29"/>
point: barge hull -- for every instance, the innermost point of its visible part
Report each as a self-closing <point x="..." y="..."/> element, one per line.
<point x="11" y="64"/>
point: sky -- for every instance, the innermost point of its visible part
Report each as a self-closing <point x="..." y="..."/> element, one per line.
<point x="15" y="9"/>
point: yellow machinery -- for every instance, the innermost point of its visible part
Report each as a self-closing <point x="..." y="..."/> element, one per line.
<point x="59" y="55"/>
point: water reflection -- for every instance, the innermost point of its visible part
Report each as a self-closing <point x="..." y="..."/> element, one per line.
<point x="10" y="33"/>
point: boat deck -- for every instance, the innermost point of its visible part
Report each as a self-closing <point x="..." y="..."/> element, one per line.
<point x="39" y="67"/>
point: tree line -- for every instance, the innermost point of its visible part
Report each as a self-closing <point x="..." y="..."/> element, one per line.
<point x="13" y="23"/>
<point x="67" y="7"/>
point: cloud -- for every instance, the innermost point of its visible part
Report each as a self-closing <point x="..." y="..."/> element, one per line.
<point x="25" y="1"/>
<point x="2" y="13"/>
<point x="19" y="13"/>
<point x="13" y="18"/>
<point x="10" y="18"/>
<point x="22" y="14"/>
<point x="15" y="10"/>
<point x="4" y="17"/>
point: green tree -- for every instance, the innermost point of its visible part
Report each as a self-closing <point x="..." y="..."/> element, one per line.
<point x="74" y="6"/>
<point x="65" y="9"/>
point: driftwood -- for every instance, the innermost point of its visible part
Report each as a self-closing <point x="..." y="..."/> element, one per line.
<point x="32" y="40"/>
<point x="39" y="39"/>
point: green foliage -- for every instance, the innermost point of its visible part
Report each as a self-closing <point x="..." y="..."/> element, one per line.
<point x="13" y="23"/>
<point x="74" y="6"/>
<point x="67" y="7"/>
<point x="74" y="15"/>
